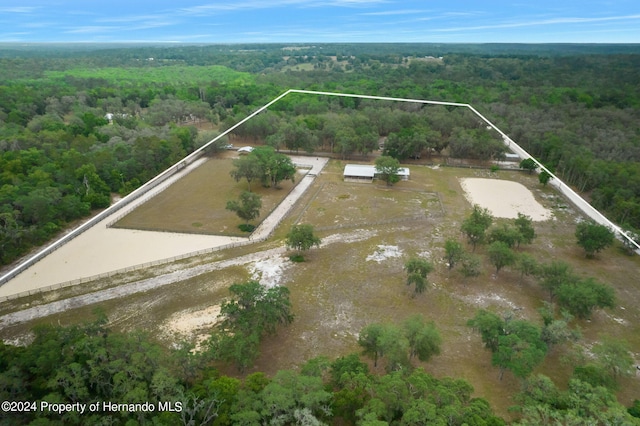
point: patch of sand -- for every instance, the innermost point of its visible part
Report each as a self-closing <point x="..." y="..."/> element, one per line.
<point x="504" y="198"/>
<point x="187" y="323"/>
<point x="486" y="300"/>
<point x="384" y="252"/>
<point x="269" y="271"/>
<point x="349" y="237"/>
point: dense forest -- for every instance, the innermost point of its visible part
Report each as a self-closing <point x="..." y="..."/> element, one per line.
<point x="81" y="125"/>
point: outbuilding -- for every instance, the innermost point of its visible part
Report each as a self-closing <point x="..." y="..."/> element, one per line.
<point x="367" y="172"/>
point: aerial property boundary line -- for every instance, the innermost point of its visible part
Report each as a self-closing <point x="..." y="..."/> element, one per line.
<point x="576" y="199"/>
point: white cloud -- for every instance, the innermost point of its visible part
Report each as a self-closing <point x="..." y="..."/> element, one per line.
<point x="551" y="21"/>
<point x="394" y="12"/>
<point x="90" y="29"/>
<point x="18" y="9"/>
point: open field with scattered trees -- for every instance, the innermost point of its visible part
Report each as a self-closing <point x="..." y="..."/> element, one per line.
<point x="414" y="307"/>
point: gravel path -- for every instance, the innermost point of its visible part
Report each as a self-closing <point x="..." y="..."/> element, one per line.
<point x="132" y="288"/>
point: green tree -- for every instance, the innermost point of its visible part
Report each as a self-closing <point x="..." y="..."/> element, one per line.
<point x="275" y="167"/>
<point x="369" y="339"/>
<point x="302" y="238"/>
<point x="505" y="233"/>
<point x="453" y="252"/>
<point x="544" y="177"/>
<point x="634" y="410"/>
<point x="557" y="331"/>
<point x="490" y="326"/>
<point x="470" y="266"/>
<point x="475" y="226"/>
<point x="253" y="312"/>
<point x="524" y="224"/>
<point x="501" y="255"/>
<point x="417" y="271"/>
<point x="582" y="296"/>
<point x="395" y="348"/>
<point x="593" y="237"/>
<point x="247" y="207"/>
<point x="552" y="276"/>
<point x="528" y="164"/>
<point x="520" y="349"/>
<point x="249" y="168"/>
<point x="541" y="402"/>
<point x="387" y="169"/>
<point x="526" y="264"/>
<point x="424" y="338"/>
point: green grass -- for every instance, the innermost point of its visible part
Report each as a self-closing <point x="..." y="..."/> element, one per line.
<point x="196" y="203"/>
<point x="174" y="74"/>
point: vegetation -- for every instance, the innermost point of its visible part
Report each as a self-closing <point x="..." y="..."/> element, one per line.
<point x="501" y="255"/>
<point x="475" y="226"/>
<point x="516" y="345"/>
<point x="399" y="345"/>
<point x="247" y="207"/>
<point x="302" y="238"/>
<point x="253" y="312"/>
<point x="417" y="271"/>
<point x="529" y="164"/>
<point x="387" y="169"/>
<point x="454" y="253"/>
<point x="593" y="237"/>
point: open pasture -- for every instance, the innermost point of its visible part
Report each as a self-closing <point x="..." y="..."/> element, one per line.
<point x="196" y="203"/>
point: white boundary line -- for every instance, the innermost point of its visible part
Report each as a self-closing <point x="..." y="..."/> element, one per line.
<point x="565" y="189"/>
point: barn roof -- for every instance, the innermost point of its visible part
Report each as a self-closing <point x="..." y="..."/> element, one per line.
<point x="368" y="171"/>
<point x="360" y="170"/>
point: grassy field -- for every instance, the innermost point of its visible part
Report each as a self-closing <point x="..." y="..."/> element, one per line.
<point x="342" y="287"/>
<point x="175" y="74"/>
<point x="196" y="203"/>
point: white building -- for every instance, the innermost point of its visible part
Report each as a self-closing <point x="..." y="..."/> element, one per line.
<point x="366" y="172"/>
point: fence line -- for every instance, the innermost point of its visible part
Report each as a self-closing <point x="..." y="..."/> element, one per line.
<point x="564" y="189"/>
<point x="164" y="261"/>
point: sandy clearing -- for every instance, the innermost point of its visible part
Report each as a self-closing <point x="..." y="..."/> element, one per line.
<point x="269" y="271"/>
<point x="186" y="323"/>
<point x="133" y="287"/>
<point x="504" y="198"/>
<point x="349" y="237"/>
<point x="384" y="252"/>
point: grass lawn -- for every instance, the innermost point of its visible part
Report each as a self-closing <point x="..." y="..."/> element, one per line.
<point x="357" y="276"/>
<point x="196" y="203"/>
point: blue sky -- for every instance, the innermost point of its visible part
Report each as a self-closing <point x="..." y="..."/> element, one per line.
<point x="299" y="21"/>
